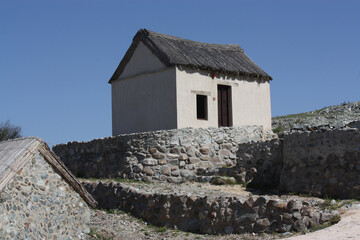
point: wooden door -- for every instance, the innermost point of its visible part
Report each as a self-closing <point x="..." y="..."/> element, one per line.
<point x="224" y="106"/>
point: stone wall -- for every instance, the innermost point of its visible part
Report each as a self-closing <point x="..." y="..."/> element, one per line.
<point x="322" y="163"/>
<point x="169" y="155"/>
<point x="260" y="163"/>
<point x="210" y="214"/>
<point x="38" y="204"/>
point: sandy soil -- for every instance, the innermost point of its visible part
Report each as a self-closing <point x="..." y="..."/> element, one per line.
<point x="347" y="228"/>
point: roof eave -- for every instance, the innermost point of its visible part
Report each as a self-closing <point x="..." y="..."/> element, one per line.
<point x="225" y="72"/>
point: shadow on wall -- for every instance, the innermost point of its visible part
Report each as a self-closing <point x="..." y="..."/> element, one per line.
<point x="320" y="163"/>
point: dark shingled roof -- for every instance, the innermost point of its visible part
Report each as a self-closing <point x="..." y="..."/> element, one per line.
<point x="174" y="51"/>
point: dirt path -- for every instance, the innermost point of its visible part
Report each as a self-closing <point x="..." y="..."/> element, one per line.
<point x="347" y="228"/>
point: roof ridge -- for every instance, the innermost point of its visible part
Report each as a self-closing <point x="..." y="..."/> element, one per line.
<point x="22" y="138"/>
<point x="228" y="47"/>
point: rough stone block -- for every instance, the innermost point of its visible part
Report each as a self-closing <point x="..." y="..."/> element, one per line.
<point x="166" y="170"/>
<point x="158" y="155"/>
<point x="194" y="160"/>
<point x="149" y="162"/>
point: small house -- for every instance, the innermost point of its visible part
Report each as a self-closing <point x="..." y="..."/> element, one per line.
<point x="39" y="197"/>
<point x="166" y="82"/>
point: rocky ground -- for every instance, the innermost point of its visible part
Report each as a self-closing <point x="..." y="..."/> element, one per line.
<point x="329" y="117"/>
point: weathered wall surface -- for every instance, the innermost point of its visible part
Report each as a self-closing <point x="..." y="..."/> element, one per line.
<point x="325" y="163"/>
<point x="250" y="99"/>
<point x="208" y="214"/>
<point x="38" y="204"/>
<point x="171" y="155"/>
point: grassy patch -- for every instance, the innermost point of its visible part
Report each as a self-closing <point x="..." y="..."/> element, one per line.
<point x="333" y="221"/>
<point x="338" y="203"/>
<point x="157" y="229"/>
<point x="99" y="236"/>
<point x="245" y="184"/>
<point x="327" y="204"/>
<point x="114" y="211"/>
<point x="297" y="115"/>
<point x="223" y="181"/>
<point x="279" y="129"/>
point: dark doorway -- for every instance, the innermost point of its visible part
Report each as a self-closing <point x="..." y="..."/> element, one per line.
<point x="224" y="106"/>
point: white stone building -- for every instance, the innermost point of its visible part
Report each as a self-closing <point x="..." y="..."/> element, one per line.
<point x="165" y="82"/>
<point x="39" y="197"/>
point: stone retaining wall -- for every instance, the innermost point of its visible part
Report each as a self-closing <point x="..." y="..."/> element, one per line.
<point x="322" y="163"/>
<point x="211" y="215"/>
<point x="259" y="163"/>
<point x="169" y="155"/>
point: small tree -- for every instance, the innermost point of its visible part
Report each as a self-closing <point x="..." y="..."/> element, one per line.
<point x="8" y="131"/>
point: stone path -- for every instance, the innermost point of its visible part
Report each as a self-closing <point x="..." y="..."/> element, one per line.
<point x="347" y="228"/>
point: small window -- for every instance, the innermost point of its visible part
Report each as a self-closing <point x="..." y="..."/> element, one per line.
<point x="201" y="107"/>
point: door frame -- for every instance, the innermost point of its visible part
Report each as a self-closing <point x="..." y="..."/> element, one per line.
<point x="228" y="96"/>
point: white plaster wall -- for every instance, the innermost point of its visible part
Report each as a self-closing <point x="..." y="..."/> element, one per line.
<point x="252" y="105"/>
<point x="145" y="102"/>
<point x="142" y="61"/>
<point x="186" y="83"/>
<point x="250" y="100"/>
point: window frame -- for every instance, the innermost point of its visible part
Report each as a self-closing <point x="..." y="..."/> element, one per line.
<point x="202" y="107"/>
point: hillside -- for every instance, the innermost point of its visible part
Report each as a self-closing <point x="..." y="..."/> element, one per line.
<point x="328" y="117"/>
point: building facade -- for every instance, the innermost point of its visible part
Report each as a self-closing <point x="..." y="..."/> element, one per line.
<point x="165" y="82"/>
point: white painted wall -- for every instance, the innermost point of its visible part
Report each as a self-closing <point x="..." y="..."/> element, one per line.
<point x="187" y="84"/>
<point x="145" y="102"/>
<point x="142" y="61"/>
<point x="144" y="96"/>
<point x="250" y="100"/>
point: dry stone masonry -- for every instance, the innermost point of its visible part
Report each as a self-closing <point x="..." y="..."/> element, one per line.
<point x="170" y="155"/>
<point x="259" y="163"/>
<point x="38" y="204"/>
<point x="201" y="211"/>
<point x="322" y="163"/>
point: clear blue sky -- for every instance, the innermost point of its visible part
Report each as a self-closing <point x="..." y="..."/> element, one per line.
<point x="57" y="56"/>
